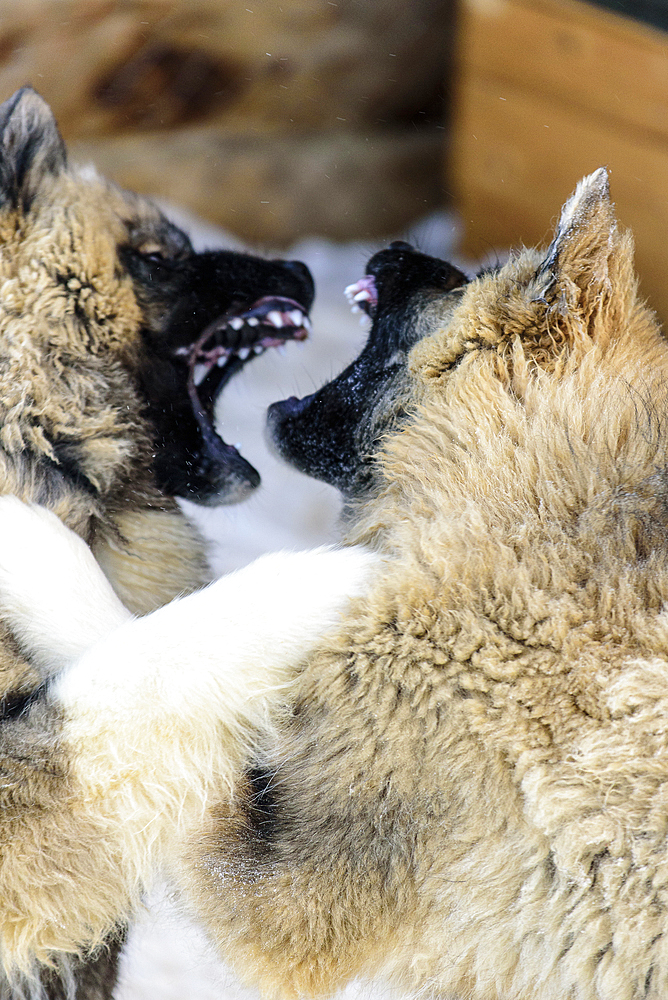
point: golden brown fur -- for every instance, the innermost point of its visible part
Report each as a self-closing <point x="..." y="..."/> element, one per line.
<point x="116" y="338"/>
<point x="465" y="791"/>
<point x="471" y="793"/>
<point x="69" y="342"/>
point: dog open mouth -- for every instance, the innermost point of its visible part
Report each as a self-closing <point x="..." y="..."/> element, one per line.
<point x="228" y="343"/>
<point x="209" y="315"/>
<point x="363" y="295"/>
<point x="221" y="351"/>
<point x="334" y="433"/>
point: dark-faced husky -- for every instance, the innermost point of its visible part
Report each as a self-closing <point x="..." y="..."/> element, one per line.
<point x="115" y="340"/>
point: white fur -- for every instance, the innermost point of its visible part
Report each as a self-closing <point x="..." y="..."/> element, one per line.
<point x="53" y="593"/>
<point x="160" y="711"/>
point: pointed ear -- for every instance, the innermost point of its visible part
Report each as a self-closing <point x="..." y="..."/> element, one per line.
<point x="30" y="147"/>
<point x="589" y="264"/>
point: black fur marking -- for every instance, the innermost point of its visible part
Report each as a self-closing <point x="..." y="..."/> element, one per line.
<point x="67" y="461"/>
<point x="14" y="704"/>
<point x="263" y="804"/>
<point x="648" y="981"/>
<point x="596" y="862"/>
<point x="334" y="434"/>
<point x="549" y="867"/>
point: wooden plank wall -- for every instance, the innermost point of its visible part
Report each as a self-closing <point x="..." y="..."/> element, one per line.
<point x="547" y="91"/>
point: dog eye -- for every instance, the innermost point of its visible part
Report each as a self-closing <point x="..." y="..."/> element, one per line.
<point x="153" y="252"/>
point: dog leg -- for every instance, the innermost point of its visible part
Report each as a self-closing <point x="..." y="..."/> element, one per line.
<point x="161" y="711"/>
<point x="53" y="594"/>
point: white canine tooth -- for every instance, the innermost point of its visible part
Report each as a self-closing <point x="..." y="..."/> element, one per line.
<point x="258" y="349"/>
<point x="275" y="318"/>
<point x="253" y="321"/>
<point x="200" y="373"/>
<point x="363" y="296"/>
<point x="350" y="290"/>
<point x="221" y="360"/>
<point x="243" y="353"/>
<point x="236" y="323"/>
<point x="296" y="316"/>
<point x="306" y="323"/>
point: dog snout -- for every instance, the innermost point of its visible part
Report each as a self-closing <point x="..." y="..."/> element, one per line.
<point x="300" y="271"/>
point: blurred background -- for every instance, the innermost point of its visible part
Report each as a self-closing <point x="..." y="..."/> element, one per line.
<point x="319" y="129"/>
<point x="349" y="119"/>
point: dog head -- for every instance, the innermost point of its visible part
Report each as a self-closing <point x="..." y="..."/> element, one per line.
<point x="462" y="385"/>
<point x="96" y="281"/>
<point x="334" y="434"/>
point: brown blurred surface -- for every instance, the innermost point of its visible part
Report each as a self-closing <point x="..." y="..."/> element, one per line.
<point x="547" y="91"/>
<point x="328" y="111"/>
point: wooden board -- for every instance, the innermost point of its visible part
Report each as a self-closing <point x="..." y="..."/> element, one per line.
<point x="547" y="91"/>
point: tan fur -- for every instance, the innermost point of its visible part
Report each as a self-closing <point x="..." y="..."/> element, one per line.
<point x="56" y="382"/>
<point x="473" y="786"/>
<point x="69" y="342"/>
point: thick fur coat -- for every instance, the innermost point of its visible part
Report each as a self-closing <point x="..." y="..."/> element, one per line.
<point x="115" y="339"/>
<point x="462" y="788"/>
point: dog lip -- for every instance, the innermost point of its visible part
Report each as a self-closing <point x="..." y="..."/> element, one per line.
<point x="290" y="406"/>
<point x="222" y="349"/>
<point x="234" y="338"/>
<point x="235" y="329"/>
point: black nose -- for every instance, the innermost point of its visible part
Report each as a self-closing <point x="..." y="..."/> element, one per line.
<point x="400" y="245"/>
<point x="300" y="271"/>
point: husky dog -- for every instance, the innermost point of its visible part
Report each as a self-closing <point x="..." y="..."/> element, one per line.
<point x="460" y="788"/>
<point x="115" y="340"/>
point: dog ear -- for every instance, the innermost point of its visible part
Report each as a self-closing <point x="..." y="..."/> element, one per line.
<point x="588" y="267"/>
<point x="30" y="147"/>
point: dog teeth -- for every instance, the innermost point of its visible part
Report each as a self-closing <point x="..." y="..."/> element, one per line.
<point x="253" y="321"/>
<point x="243" y="353"/>
<point x="236" y="323"/>
<point x="362" y="296"/>
<point x="275" y="318"/>
<point x="221" y="360"/>
<point x="258" y="349"/>
<point x="200" y="372"/>
<point x="356" y="309"/>
<point x="296" y="317"/>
